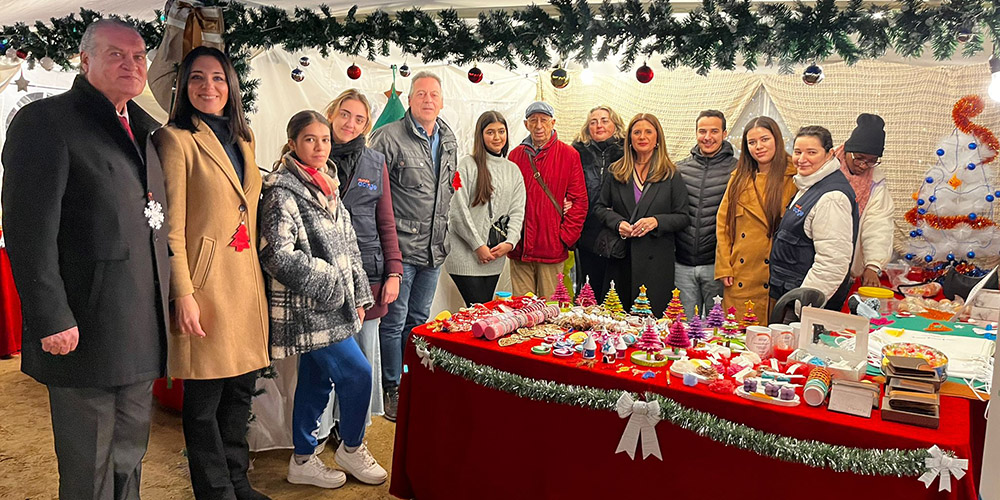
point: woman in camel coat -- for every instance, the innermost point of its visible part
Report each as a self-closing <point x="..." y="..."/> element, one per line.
<point x="219" y="327"/>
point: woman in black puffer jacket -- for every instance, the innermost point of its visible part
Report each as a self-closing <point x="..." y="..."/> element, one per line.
<point x="599" y="144"/>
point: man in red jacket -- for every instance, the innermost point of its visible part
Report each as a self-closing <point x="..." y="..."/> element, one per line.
<point x="553" y="178"/>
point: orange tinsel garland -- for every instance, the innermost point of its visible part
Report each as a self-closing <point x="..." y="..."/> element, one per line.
<point x="949" y="222"/>
<point x="965" y="109"/>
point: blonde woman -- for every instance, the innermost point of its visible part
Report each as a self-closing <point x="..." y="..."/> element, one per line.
<point x="645" y="202"/>
<point x="599" y="144"/>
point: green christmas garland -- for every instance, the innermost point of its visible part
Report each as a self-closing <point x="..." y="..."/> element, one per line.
<point x="863" y="461"/>
<point x="717" y="34"/>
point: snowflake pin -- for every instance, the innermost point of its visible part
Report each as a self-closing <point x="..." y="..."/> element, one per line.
<point x="153" y="213"/>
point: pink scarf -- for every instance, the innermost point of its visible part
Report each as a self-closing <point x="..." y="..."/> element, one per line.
<point x="862" y="184"/>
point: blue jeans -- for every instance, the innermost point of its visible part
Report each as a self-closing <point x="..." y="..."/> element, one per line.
<point x="697" y="285"/>
<point x="342" y="364"/>
<point x="411" y="308"/>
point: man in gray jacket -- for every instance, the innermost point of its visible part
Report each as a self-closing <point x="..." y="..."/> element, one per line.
<point x="420" y="153"/>
<point x="706" y="173"/>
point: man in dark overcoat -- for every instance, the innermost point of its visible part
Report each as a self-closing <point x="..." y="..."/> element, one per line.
<point x="83" y="220"/>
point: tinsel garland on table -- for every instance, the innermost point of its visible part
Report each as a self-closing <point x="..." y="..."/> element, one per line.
<point x="863" y="461"/>
<point x="716" y="34"/>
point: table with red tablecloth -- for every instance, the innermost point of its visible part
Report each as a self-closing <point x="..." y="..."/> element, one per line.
<point x="458" y="439"/>
<point x="10" y="309"/>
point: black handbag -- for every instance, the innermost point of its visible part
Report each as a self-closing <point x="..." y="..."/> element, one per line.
<point x="498" y="228"/>
<point x="609" y="244"/>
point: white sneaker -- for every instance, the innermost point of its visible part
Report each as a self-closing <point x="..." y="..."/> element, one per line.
<point x="361" y="464"/>
<point x="322" y="446"/>
<point x="316" y="473"/>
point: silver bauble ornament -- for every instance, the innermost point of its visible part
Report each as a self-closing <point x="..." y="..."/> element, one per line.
<point x="404" y="71"/>
<point x="298" y="74"/>
<point x="304" y="61"/>
<point x="47" y="63"/>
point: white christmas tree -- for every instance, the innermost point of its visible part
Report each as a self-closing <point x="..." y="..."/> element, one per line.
<point x="953" y="214"/>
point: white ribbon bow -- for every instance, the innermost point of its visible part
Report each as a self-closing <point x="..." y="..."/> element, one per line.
<point x="642" y="423"/>
<point x="425" y="358"/>
<point x="943" y="465"/>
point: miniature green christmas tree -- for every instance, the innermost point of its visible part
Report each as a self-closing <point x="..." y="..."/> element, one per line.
<point x="640" y="306"/>
<point x="586" y="296"/>
<point x="612" y="303"/>
<point x="675" y="310"/>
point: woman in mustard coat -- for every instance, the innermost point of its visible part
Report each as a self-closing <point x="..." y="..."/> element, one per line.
<point x="759" y="190"/>
<point x="218" y="337"/>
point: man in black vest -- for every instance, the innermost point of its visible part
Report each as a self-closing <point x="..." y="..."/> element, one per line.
<point x="706" y="174"/>
<point x="84" y="225"/>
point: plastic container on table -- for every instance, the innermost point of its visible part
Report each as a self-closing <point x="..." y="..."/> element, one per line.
<point x="882" y="294"/>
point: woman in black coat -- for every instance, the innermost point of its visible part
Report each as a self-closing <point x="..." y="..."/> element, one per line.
<point x="599" y="144"/>
<point x="646" y="204"/>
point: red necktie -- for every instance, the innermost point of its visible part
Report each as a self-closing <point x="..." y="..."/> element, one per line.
<point x="127" y="128"/>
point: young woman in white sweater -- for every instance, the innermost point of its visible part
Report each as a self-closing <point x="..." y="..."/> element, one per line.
<point x="492" y="189"/>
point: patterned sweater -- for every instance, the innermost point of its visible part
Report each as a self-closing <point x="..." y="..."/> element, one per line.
<point x="312" y="267"/>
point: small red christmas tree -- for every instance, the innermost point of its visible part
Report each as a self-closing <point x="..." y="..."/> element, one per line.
<point x="749" y="318"/>
<point x="678" y="337"/>
<point x="586" y="296"/>
<point x="675" y="310"/>
<point x="612" y="303"/>
<point x="241" y="238"/>
<point x="649" y="342"/>
<point x="695" y="331"/>
<point x="730" y="327"/>
<point x="561" y="295"/>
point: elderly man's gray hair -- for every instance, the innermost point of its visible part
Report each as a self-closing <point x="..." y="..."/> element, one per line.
<point x="88" y="43"/>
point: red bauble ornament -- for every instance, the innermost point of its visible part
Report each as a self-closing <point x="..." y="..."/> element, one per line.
<point x="353" y="72"/>
<point x="21" y="54"/>
<point x="644" y="74"/>
<point x="475" y="75"/>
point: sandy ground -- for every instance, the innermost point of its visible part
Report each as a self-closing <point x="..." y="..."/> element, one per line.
<point x="28" y="462"/>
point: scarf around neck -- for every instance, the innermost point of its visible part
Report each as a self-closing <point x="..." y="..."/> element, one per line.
<point x="346" y="157"/>
<point x="862" y="184"/>
<point x="319" y="182"/>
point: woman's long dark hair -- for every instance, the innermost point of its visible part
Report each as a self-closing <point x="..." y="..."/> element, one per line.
<point x="183" y="111"/>
<point x="484" y="181"/>
<point x="747" y="169"/>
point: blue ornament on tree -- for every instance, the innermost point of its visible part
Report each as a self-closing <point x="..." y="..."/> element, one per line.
<point x="909" y="256"/>
<point x="920" y="201"/>
<point x="913" y="234"/>
<point x="990" y="197"/>
<point x="951" y="257"/>
<point x="940" y="152"/>
<point x="928" y="259"/>
<point x="932" y="199"/>
<point x="972" y="145"/>
<point x="972" y="216"/>
<point x="971" y="254"/>
<point x="972" y="166"/>
<point x="921" y="211"/>
<point x="930" y="180"/>
<point x="920" y="232"/>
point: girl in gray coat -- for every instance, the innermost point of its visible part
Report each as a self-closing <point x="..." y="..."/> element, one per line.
<point x="493" y="190"/>
<point x="318" y="292"/>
